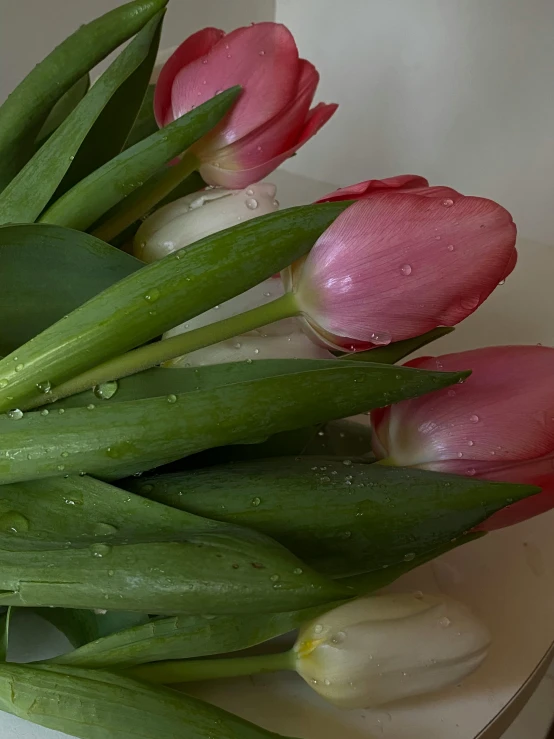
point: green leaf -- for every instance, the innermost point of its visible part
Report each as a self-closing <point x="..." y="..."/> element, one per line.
<point x="85" y="203"/>
<point x="29" y="192"/>
<point x="24" y="112"/>
<point x="99" y="705"/>
<point x="79" y="543"/>
<point x="342" y="517"/>
<point x="109" y="133"/>
<point x="163" y="294"/>
<point x="48" y="271"/>
<point x="115" y="440"/>
<point x="4" y="633"/>
<point x="145" y="123"/>
<point x="393" y="353"/>
<point x="81" y="626"/>
<point x="65" y="105"/>
<point x="184" y="637"/>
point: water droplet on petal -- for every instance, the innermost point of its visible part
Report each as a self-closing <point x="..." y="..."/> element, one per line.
<point x="451" y="393"/>
<point x="438" y="238"/>
<point x="238" y="345"/>
<point x="448" y="202"/>
<point x="406" y="269"/>
<point x="261" y="53"/>
<point x="470" y="443"/>
<point x="256" y="351"/>
<point x="276" y="203"/>
<point x="470" y="302"/>
<point x="318" y="628"/>
<point x="502" y="282"/>
<point x="450" y="247"/>
<point x="252" y="203"/>
<point x="250" y="192"/>
<point x="327" y="682"/>
<point x="460" y="455"/>
<point x="444" y="621"/>
<point x="474" y="418"/>
<point x="381" y="338"/>
<point x="204" y="61"/>
<point x="338" y="638"/>
<point x="15" y="415"/>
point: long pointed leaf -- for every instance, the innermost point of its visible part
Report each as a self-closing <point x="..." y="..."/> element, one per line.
<point x="109" y="133"/>
<point x="48" y="271"/>
<point x="161" y="295"/>
<point x="396" y="351"/>
<point x="85" y="203"/>
<point x="90" y="704"/>
<point x="83" y="627"/>
<point x="65" y="105"/>
<point x="28" y="106"/>
<point x="79" y="543"/>
<point x="343" y="519"/>
<point x="29" y="192"/>
<point x="116" y="440"/>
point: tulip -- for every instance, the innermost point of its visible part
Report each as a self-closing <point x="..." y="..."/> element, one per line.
<point x="272" y="118"/>
<point x="402" y="260"/>
<point x="368" y="652"/>
<point x="498" y="425"/>
<point x="200" y="214"/>
<point x="381" y="649"/>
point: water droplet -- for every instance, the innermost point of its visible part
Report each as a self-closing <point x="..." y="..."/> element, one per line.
<point x="409" y="556"/>
<point x="321" y="433"/>
<point x="297" y="571"/>
<point x="261" y="53"/>
<point x="65" y="454"/>
<point x="100" y="550"/>
<point x="502" y="282"/>
<point x="438" y="238"/>
<point x="338" y="638"/>
<point x="276" y="203"/>
<point x="406" y="269"/>
<point x="256" y="501"/>
<point x="60" y="468"/>
<point x="238" y="345"/>
<point x="15" y="415"/>
<point x="250" y="192"/>
<point x="152" y="295"/>
<point x="104" y="529"/>
<point x="274" y="578"/>
<point x="256" y="351"/>
<point x="204" y="61"/>
<point x="61" y="411"/>
<point x="13" y="522"/>
<point x="469" y="302"/>
<point x="444" y="621"/>
<point x="259" y="148"/>
<point x="106" y="390"/>
<point x="471" y="471"/>
<point x="451" y="393"/>
<point x="448" y="202"/>
<point x="327" y="682"/>
<point x="450" y="247"/>
<point x="347" y="462"/>
<point x="418" y="595"/>
<point x="474" y="418"/>
<point x="267" y="295"/>
<point x="348" y="482"/>
<point x="91" y="406"/>
<point x="345" y="535"/>
<point x="460" y="455"/>
<point x="381" y="338"/>
<point x="44" y="412"/>
<point x="18" y="367"/>
<point x="252" y="203"/>
<point x="171" y="398"/>
<point x="111" y="573"/>
<point x="3" y="383"/>
<point x="44" y="387"/>
<point x="318" y="628"/>
<point x="249" y="361"/>
<point x="470" y="442"/>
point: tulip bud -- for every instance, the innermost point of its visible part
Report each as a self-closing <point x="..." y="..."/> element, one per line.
<point x="380" y="649"/>
<point x="401" y="261"/>
<point x="497" y="425"/>
<point x="200" y="214"/>
<point x="272" y="118"/>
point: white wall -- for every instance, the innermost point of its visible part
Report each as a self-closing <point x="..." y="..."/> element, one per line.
<point x="460" y="91"/>
<point x="29" y="29"/>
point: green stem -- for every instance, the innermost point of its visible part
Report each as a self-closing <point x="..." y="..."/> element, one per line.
<point x="193" y="670"/>
<point x="146" y="198"/>
<point x="162" y="351"/>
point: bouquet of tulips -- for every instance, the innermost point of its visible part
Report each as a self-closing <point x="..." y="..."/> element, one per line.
<point x="181" y="474"/>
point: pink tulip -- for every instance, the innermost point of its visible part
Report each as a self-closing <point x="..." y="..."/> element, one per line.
<point x="401" y="261"/>
<point x="272" y="118"/>
<point x="497" y="425"/>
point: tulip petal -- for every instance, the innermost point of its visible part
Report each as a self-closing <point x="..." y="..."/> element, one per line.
<point x="279" y="134"/>
<point x="262" y="58"/>
<point x="502" y="415"/>
<point x="195" y="46"/>
<point x="399" y="264"/>
<point x="401" y="183"/>
<point x="237" y="178"/>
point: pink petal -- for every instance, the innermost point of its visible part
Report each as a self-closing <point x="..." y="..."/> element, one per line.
<point x="263" y="58"/>
<point x="279" y="134"/>
<point x="398" y="264"/>
<point x="505" y="408"/>
<point x="238" y="178"/>
<point x="400" y="183"/>
<point x="195" y="46"/>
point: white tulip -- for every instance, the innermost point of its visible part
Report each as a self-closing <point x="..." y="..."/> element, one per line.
<point x="200" y="214"/>
<point x="279" y="340"/>
<point x="380" y="649"/>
